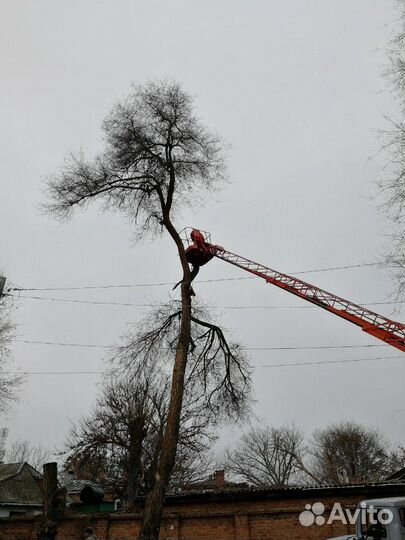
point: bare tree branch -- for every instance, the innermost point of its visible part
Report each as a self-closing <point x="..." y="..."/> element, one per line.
<point x="157" y="158"/>
<point x="120" y="441"/>
<point x="10" y="383"/>
<point x="267" y="456"/>
<point x="23" y="451"/>
<point x="217" y="370"/>
<point x="349" y="452"/>
<point x="392" y="182"/>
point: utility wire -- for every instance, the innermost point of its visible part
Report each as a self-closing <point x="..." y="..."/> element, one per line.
<point x="130" y="304"/>
<point x="322" y="362"/>
<point x="172" y="283"/>
<point x="61" y="344"/>
<point x="24" y="373"/>
<point x="347" y="267"/>
<point x="295" y="364"/>
<point x="300" y="348"/>
<point x="79" y="301"/>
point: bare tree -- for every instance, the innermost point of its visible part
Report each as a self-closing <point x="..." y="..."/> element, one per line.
<point x="217" y="381"/>
<point x="191" y="468"/>
<point x="120" y="441"/>
<point x="24" y="451"/>
<point x="217" y="372"/>
<point x="157" y="157"/>
<point x="267" y="456"/>
<point x="392" y="182"/>
<point x="348" y="452"/>
<point x="341" y="453"/>
<point x="9" y="382"/>
<point x="396" y="460"/>
<point x="107" y="444"/>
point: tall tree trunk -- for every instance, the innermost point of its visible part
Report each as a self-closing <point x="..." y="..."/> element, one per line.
<point x="155" y="499"/>
<point x="137" y="435"/>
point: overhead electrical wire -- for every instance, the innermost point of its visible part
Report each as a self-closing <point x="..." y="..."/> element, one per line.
<point x="130" y="304"/>
<point x="79" y="301"/>
<point x="123" y="286"/>
<point x="61" y="344"/>
<point x="299" y="348"/>
<point x="322" y="362"/>
<point x="24" y="373"/>
<point x="267" y="366"/>
<point x="54" y="343"/>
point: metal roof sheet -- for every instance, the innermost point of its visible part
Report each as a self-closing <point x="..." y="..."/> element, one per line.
<point x="18" y="485"/>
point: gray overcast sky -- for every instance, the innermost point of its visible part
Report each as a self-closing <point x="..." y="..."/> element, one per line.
<point x="296" y="88"/>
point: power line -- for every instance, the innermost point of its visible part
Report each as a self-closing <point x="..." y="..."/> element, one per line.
<point x="311" y="347"/>
<point x="23" y="373"/>
<point x="61" y="344"/>
<point x="83" y="287"/>
<point x="347" y="267"/>
<point x="299" y="348"/>
<point x="80" y="301"/>
<point x="122" y="286"/>
<point x="294" y="364"/>
<point x="130" y="304"/>
<point x="322" y="362"/>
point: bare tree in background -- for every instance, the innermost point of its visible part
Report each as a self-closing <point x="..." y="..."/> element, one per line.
<point x="24" y="451"/>
<point x="342" y="453"/>
<point x="393" y="142"/>
<point x="267" y="456"/>
<point x="396" y="460"/>
<point x="157" y="158"/>
<point x="107" y="444"/>
<point x="9" y="382"/>
<point x="120" y="441"/>
<point x="349" y="452"/>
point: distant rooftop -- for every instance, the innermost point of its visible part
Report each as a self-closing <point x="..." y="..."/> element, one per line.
<point x="20" y="484"/>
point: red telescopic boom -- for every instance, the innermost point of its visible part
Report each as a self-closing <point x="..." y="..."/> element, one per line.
<point x="391" y="332"/>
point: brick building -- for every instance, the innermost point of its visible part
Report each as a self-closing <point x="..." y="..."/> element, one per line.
<point x="224" y="514"/>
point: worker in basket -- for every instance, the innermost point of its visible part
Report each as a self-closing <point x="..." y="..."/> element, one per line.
<point x="198" y="253"/>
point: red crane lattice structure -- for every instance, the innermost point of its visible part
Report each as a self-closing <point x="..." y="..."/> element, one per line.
<point x="391" y="332"/>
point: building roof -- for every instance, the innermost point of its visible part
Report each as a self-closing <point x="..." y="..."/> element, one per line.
<point x="213" y="482"/>
<point x="366" y="490"/>
<point x="75" y="485"/>
<point x="19" y="485"/>
<point x="399" y="475"/>
<point x="9" y="469"/>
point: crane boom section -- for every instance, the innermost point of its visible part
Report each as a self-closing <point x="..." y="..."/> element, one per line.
<point x="374" y="324"/>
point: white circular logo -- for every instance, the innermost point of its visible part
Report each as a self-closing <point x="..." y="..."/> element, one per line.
<point x="312" y="514"/>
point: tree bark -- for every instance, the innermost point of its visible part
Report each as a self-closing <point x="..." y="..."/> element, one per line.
<point x="153" y="510"/>
<point x="50" y="484"/>
<point x="155" y="498"/>
<point x="137" y="435"/>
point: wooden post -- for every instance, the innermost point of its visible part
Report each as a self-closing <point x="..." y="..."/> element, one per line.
<point x="50" y="488"/>
<point x="53" y="503"/>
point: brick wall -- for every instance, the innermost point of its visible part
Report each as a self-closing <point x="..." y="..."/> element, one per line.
<point x="256" y="515"/>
